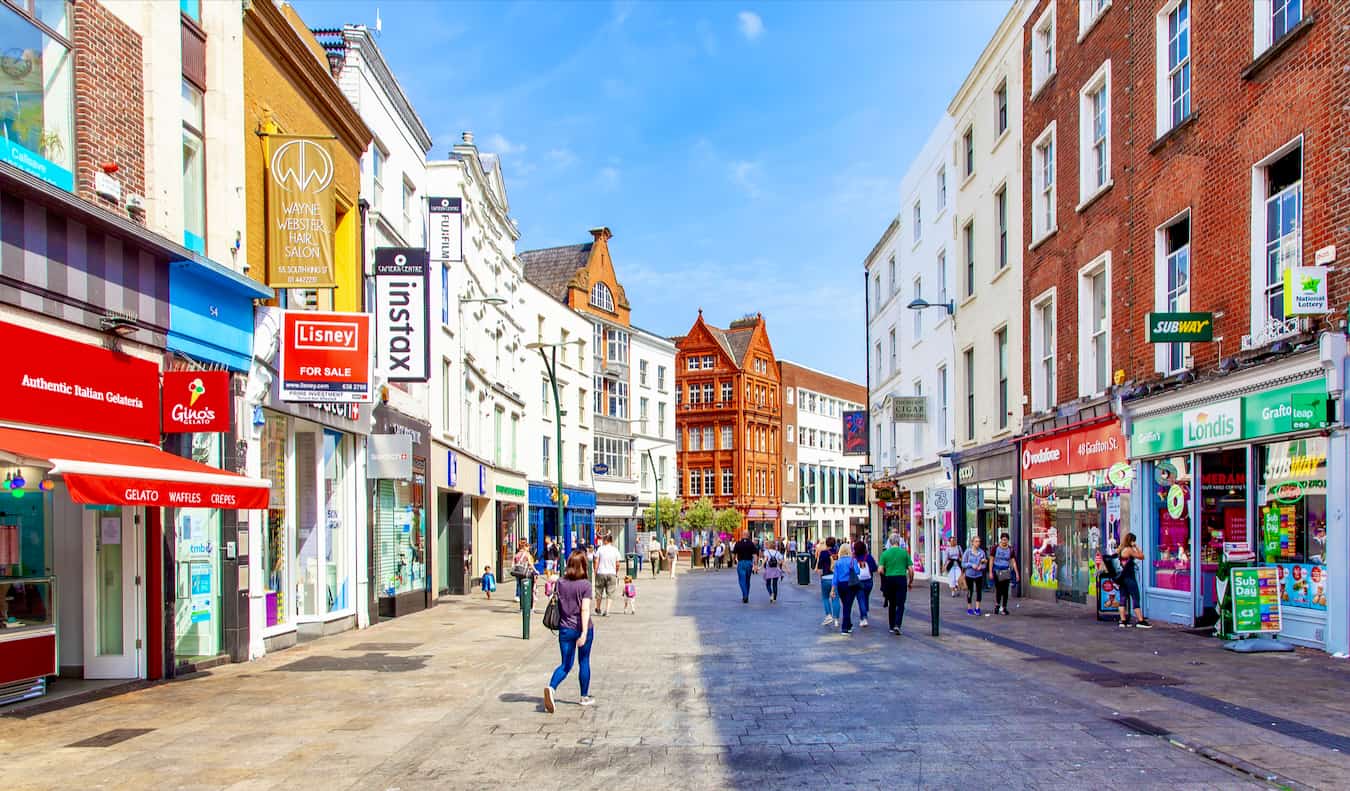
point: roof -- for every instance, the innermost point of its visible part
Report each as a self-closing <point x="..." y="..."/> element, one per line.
<point x="553" y="268"/>
<point x="740" y="342"/>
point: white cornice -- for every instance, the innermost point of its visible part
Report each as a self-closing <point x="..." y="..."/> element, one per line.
<point x="358" y="39"/>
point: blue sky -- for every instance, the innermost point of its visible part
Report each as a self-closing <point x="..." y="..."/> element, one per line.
<point x="746" y="155"/>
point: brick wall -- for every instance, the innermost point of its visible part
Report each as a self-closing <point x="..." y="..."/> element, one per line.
<point x="109" y="102"/>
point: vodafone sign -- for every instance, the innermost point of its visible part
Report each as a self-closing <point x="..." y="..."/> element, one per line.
<point x="325" y="357"/>
<point x="196" y="401"/>
<point x="1084" y="450"/>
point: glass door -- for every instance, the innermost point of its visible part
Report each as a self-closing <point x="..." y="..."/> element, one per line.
<point x="112" y="593"/>
<point x="1223" y="517"/>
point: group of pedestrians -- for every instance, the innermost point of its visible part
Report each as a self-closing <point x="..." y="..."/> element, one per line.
<point x="847" y="574"/>
<point x="973" y="569"/>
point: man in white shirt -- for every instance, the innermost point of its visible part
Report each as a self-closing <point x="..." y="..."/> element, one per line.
<point x="654" y="553"/>
<point x="607" y="559"/>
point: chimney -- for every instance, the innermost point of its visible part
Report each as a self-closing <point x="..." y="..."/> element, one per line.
<point x="601" y="234"/>
<point x="467" y="137"/>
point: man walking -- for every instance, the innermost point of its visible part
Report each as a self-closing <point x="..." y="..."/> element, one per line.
<point x="607" y="560"/>
<point x="746" y="553"/>
<point x="897" y="575"/>
<point x="654" y="553"/>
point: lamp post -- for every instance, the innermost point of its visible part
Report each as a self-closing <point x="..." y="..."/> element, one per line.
<point x="656" y="498"/>
<point x="496" y="301"/>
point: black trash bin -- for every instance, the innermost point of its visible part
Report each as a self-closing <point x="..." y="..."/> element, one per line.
<point x="803" y="570"/>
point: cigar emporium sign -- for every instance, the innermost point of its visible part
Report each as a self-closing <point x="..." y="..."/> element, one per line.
<point x="300" y="213"/>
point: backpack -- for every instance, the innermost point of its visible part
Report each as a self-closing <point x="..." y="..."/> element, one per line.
<point x="773" y="561"/>
<point x="853" y="578"/>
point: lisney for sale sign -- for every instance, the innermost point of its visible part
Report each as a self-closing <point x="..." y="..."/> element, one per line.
<point x="325" y="357"/>
<point x="402" y="311"/>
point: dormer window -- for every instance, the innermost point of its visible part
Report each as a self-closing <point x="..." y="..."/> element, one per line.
<point x="602" y="297"/>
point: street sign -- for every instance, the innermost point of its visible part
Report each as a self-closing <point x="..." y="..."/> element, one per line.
<point x="1256" y="600"/>
<point x="600" y="468"/>
<point x="909" y="409"/>
<point x="866" y="469"/>
<point x="1180" y="327"/>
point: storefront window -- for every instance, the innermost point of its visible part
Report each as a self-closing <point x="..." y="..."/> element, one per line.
<point x="1292" y="509"/>
<point x="1071" y="518"/>
<point x="1171" y="516"/>
<point x="307" y="533"/>
<point x="36" y="102"/>
<point x="197" y="621"/>
<point x="337" y="577"/>
<point x="276" y="603"/>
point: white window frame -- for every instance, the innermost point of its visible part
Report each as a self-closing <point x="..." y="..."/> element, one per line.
<point x="968" y="259"/>
<point x="1044" y="194"/>
<point x="1088" y="334"/>
<point x="895" y="356"/>
<point x="1003" y="253"/>
<point x="1001" y="110"/>
<point x="918" y="314"/>
<point x="917" y="231"/>
<point x="1163" y="293"/>
<point x="1088" y="16"/>
<point x="602" y="297"/>
<point x="1262" y="326"/>
<point x="968" y="153"/>
<point x="942" y="276"/>
<point x="1089" y="187"/>
<point x="890" y="267"/>
<point x="1043" y="49"/>
<point x="941" y="188"/>
<point x="1263" y="23"/>
<point x="1043" y="391"/>
<point x="943" y="406"/>
<point x="1163" y="77"/>
<point x="918" y="427"/>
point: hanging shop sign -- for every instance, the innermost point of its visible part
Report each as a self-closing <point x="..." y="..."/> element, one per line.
<point x="300" y="213"/>
<point x="447" y="230"/>
<point x="1180" y="327"/>
<point x="1256" y="600"/>
<point x="1280" y="410"/>
<point x="196" y="401"/>
<point x="1083" y="450"/>
<point x="855" y="433"/>
<point x="325" y="357"/>
<point x="389" y="457"/>
<point x="909" y="409"/>
<point x="937" y="500"/>
<point x="402" y="314"/>
<point x="52" y="381"/>
<point x="1305" y="291"/>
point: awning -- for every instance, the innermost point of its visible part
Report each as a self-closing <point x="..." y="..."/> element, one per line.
<point x="108" y="472"/>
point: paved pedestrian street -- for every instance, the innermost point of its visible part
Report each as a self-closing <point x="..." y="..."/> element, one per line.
<point x="700" y="691"/>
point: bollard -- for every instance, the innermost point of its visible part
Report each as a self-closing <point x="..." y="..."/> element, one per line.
<point x="526" y="602"/>
<point x="934" y="604"/>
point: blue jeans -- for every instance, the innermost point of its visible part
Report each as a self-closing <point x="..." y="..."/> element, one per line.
<point x="826" y="586"/>
<point x="864" y="594"/>
<point x="743" y="569"/>
<point x="847" y="593"/>
<point x="567" y="642"/>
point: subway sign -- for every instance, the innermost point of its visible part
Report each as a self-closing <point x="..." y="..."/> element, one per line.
<point x="1180" y="327"/>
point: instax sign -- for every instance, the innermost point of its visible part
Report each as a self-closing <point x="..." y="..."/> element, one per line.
<point x="402" y="314"/>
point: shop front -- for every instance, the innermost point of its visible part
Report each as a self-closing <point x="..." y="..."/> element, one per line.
<point x="86" y="494"/>
<point x="396" y="469"/>
<point x="452" y="512"/>
<point x="762" y="523"/>
<point x="509" y="492"/>
<point x="1248" y="466"/>
<point x="578" y="517"/>
<point x="1076" y="497"/>
<point x="987" y="501"/>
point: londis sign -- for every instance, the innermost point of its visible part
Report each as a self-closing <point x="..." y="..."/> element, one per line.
<point x="1180" y="327"/>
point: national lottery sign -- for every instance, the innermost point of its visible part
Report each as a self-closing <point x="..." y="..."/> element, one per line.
<point x="325" y="357"/>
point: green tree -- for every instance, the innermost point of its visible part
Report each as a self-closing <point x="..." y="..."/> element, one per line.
<point x="669" y="512"/>
<point x="699" y="516"/>
<point x="728" y="520"/>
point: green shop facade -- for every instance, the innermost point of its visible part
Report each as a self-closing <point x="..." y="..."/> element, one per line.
<point x="1251" y="458"/>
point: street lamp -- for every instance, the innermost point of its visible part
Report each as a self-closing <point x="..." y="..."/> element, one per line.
<point x="551" y="367"/>
<point x="923" y="304"/>
<point x="656" y="478"/>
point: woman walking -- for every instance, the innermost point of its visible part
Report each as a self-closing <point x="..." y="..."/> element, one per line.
<point x="951" y="555"/>
<point x="773" y="571"/>
<point x="847" y="584"/>
<point x="576" y="635"/>
<point x="974" y="562"/>
<point x="867" y="568"/>
<point x="825" y="568"/>
<point x="522" y="567"/>
<point x="1129" y="583"/>
<point x="672" y="554"/>
<point x="1005" y="571"/>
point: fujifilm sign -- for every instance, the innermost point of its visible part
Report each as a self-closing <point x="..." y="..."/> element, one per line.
<point x="1212" y="424"/>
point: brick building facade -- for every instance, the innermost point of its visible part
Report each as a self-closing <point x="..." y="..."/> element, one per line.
<point x="727" y="420"/>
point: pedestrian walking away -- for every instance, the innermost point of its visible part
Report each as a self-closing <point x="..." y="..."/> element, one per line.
<point x="607" y="559"/>
<point x="897" y="575"/>
<point x="773" y="571"/>
<point x="867" y="566"/>
<point x="825" y="568"/>
<point x="847" y="584"/>
<point x="746" y="554"/>
<point x="522" y="567"/>
<point x="1005" y="572"/>
<point x="654" y="553"/>
<point x="1129" y="583"/>
<point x="672" y="555"/>
<point x="951" y="555"/>
<point x="973" y="563"/>
<point x="576" y="634"/>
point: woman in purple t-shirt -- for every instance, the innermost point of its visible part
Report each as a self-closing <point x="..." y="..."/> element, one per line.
<point x="576" y="634"/>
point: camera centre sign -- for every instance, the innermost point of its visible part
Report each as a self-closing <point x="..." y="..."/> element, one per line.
<point x="402" y="314"/>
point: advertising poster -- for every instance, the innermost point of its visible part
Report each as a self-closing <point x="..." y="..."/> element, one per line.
<point x="855" y="433"/>
<point x="402" y="314"/>
<point x="325" y="357"/>
<point x="300" y="213"/>
<point x="1303" y="585"/>
<point x="1108" y="596"/>
<point x="1256" y="600"/>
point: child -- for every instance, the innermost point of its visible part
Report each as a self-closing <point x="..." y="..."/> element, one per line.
<point x="629" y="595"/>
<point x="489" y="582"/>
<point x="550" y="583"/>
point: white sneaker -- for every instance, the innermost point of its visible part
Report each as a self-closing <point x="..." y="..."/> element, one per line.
<point x="863" y="622"/>
<point x="587" y="700"/>
<point x="829" y="621"/>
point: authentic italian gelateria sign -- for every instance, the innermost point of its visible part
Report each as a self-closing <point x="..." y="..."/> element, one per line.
<point x="300" y="213"/>
<point x="1180" y="327"/>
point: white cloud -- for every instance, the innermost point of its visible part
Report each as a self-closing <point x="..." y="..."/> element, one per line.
<point x="609" y="178"/>
<point x="752" y="27"/>
<point x="498" y="144"/>
<point x="745" y="175"/>
<point x="562" y="157"/>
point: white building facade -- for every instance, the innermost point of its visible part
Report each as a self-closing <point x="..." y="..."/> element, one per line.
<point x="824" y="491"/>
<point x="653" y="427"/>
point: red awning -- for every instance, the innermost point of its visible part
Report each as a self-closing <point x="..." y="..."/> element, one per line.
<point x="109" y="472"/>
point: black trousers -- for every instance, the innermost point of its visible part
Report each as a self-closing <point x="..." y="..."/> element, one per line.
<point x="1001" y="592"/>
<point x="974" y="589"/>
<point x="895" y="591"/>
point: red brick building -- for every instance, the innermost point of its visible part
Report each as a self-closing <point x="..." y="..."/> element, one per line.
<point x="728" y="406"/>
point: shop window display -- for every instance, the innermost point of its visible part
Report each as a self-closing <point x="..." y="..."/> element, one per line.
<point x="1072" y="516"/>
<point x="307" y="533"/>
<point x="1170" y="566"/>
<point x="337" y="590"/>
<point x="399" y="533"/>
<point x="1292" y="511"/>
<point x="197" y="621"/>
<point x="1223" y="513"/>
<point x="276" y="602"/>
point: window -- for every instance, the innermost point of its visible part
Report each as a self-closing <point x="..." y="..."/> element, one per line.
<point x="942" y="406"/>
<point x="614" y="453"/>
<point x="599" y="382"/>
<point x="789" y="434"/>
<point x="1001" y="108"/>
<point x="811" y="437"/>
<point x="1043" y="184"/>
<point x="36" y="98"/>
<point x="876" y="293"/>
<point x="602" y="297"/>
<point x="707" y="392"/>
<point x="917" y="231"/>
<point x="643" y="475"/>
<point x="941" y="189"/>
<point x="409" y="204"/>
<point x="642" y="415"/>
<point x="728" y="437"/>
<point x="1278" y="185"/>
<point x="968" y="152"/>
<point x="445" y="394"/>
<point x="918" y="427"/>
<point x="1174" y="65"/>
<point x="708" y="361"/>
<point x="1272" y="21"/>
<point x="616" y="345"/>
<point x="1094" y="134"/>
<point x="660" y="419"/>
<point x="194" y="170"/>
<point x="515" y="433"/>
<point x="1043" y="49"/>
<point x="661" y="378"/>
<point x="1001" y="213"/>
<point x="728" y="482"/>
<point x="727" y="392"/>
<point x="1175" y="285"/>
<point x="695" y="484"/>
<point x="546" y="456"/>
<point x="708" y="438"/>
<point x="377" y="158"/>
<point x="192" y="9"/>
<point x="544" y="390"/>
<point x="877" y="360"/>
<point x="1001" y="341"/>
<point x="642" y="373"/>
<point x="1094" y="325"/>
<point x="942" y="277"/>
<point x="969" y="360"/>
<point x="895" y="285"/>
<point x="582" y="457"/>
<point x="497" y="418"/>
<point x="445" y="294"/>
<point x="801" y="435"/>
<point x="788" y="395"/>
<point x="918" y="314"/>
<point x="1043" y="352"/>
<point x="708" y="482"/>
<point x="968" y="251"/>
<point x="1089" y="11"/>
<point x="894" y="356"/>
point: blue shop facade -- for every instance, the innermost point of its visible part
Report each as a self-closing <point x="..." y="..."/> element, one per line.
<point x="578" y="517"/>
